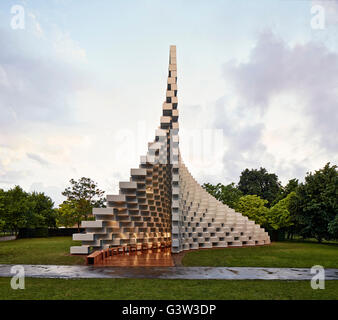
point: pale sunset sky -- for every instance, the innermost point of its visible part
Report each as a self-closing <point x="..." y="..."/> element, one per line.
<point x="83" y="82"/>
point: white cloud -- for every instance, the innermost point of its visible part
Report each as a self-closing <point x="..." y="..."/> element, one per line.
<point x="39" y="131"/>
<point x="282" y="115"/>
<point x="59" y="122"/>
<point x="37" y="157"/>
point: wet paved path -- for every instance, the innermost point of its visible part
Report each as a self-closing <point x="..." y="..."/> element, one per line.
<point x="227" y="273"/>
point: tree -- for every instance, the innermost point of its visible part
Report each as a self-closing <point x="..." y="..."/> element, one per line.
<point x="316" y="204"/>
<point x="228" y="194"/>
<point x="43" y="208"/>
<point x="254" y="208"/>
<point x="2" y="225"/>
<point x="82" y="196"/>
<point x="291" y="186"/>
<point x="212" y="189"/>
<point x="2" y="209"/>
<point x="68" y="215"/>
<point x="17" y="209"/>
<point x="20" y="209"/>
<point x="87" y="189"/>
<point x="333" y="227"/>
<point x="261" y="183"/>
<point x="280" y="217"/>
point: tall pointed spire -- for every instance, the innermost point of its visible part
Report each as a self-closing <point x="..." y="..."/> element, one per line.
<point x="162" y="204"/>
<point x="170" y="111"/>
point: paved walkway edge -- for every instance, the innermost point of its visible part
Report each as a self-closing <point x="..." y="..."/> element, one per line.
<point x="202" y="273"/>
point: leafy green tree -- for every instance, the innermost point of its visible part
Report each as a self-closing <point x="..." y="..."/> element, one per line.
<point x="254" y="208"/>
<point x="68" y="215"/>
<point x="2" y="225"/>
<point x="85" y="189"/>
<point x="211" y="188"/>
<point x="316" y="204"/>
<point x="17" y="209"/>
<point x="82" y="196"/>
<point x="280" y="217"/>
<point x="333" y="227"/>
<point x="2" y="209"/>
<point x="261" y="183"/>
<point x="291" y="186"/>
<point x="228" y="194"/>
<point x="42" y="206"/>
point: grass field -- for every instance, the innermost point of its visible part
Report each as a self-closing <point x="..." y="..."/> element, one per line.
<point x="143" y="289"/>
<point x="279" y="254"/>
<point x="54" y="250"/>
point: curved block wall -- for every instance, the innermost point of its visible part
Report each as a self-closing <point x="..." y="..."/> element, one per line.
<point x="162" y="201"/>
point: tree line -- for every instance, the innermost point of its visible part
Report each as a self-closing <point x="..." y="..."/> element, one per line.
<point x="308" y="209"/>
<point x="20" y="209"/>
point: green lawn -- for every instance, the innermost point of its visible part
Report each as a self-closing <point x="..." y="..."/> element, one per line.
<point x="54" y="250"/>
<point x="278" y="254"/>
<point x="281" y="254"/>
<point x="130" y="289"/>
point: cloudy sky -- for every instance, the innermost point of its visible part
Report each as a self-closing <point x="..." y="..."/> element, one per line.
<point x="82" y="86"/>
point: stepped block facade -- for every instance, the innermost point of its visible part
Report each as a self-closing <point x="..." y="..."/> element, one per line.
<point x="162" y="202"/>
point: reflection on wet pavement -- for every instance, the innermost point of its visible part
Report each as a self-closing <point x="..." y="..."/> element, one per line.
<point x="150" y="258"/>
<point x="233" y="273"/>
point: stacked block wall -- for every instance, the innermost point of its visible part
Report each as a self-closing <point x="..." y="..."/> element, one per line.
<point x="162" y="201"/>
<point x="207" y="222"/>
